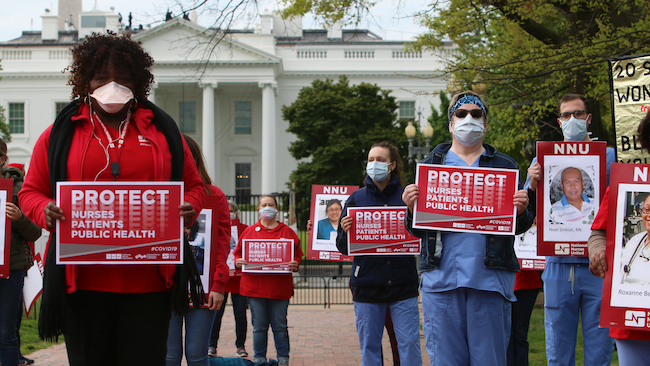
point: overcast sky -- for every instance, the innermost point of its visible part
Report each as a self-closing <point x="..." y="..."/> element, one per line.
<point x="390" y="18"/>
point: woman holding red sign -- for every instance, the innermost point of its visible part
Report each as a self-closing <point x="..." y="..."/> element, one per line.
<point x="468" y="278"/>
<point x="633" y="346"/>
<point x="269" y="294"/>
<point x="111" y="314"/>
<point x="383" y="283"/>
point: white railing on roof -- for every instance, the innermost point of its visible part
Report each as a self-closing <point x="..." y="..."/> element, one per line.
<point x="16" y="55"/>
<point x="405" y="54"/>
<point x="311" y="53"/>
<point x="359" y="54"/>
<point x="60" y="54"/>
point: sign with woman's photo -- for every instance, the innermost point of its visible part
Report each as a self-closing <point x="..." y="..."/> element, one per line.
<point x="570" y="190"/>
<point x="380" y="231"/>
<point x="6" y="189"/>
<point x="119" y="223"/>
<point x="626" y="288"/>
<point x="201" y="236"/>
<point x="475" y="200"/>
<point x="327" y="202"/>
<point x="526" y="251"/>
<point x="234" y="239"/>
<point x="267" y="255"/>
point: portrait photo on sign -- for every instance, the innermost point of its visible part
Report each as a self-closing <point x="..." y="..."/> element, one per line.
<point x="328" y="209"/>
<point x="571" y="191"/>
<point x="198" y="235"/>
<point x="631" y="265"/>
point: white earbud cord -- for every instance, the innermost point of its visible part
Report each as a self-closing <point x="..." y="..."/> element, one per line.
<point x="119" y="132"/>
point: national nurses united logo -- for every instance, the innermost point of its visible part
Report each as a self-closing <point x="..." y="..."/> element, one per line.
<point x="635" y="318"/>
<point x="562" y="248"/>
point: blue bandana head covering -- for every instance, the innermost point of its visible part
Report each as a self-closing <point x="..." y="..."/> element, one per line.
<point x="467" y="99"/>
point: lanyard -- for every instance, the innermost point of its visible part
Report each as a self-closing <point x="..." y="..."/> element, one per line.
<point x="115" y="166"/>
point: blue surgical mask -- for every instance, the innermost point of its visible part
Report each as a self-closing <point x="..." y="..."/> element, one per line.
<point x="377" y="170"/>
<point x="469" y="131"/>
<point x="574" y="129"/>
<point x="267" y="212"/>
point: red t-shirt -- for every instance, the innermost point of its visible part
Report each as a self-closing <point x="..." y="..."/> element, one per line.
<point x="528" y="280"/>
<point x="600" y="223"/>
<point x="109" y="277"/>
<point x="268" y="286"/>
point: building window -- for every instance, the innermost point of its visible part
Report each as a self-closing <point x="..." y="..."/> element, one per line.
<point x="58" y="107"/>
<point x="243" y="118"/>
<point x="407" y="110"/>
<point x="17" y="117"/>
<point x="243" y="181"/>
<point x="187" y="118"/>
<point x="93" y="21"/>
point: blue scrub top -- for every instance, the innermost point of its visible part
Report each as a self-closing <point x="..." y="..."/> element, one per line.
<point x="463" y="260"/>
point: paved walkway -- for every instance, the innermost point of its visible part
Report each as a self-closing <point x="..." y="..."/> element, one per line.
<point x="318" y="337"/>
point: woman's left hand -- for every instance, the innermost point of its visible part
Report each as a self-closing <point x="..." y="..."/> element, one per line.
<point x="293" y="265"/>
<point x="520" y="199"/>
<point x="187" y="211"/>
<point x="13" y="212"/>
<point x="214" y="300"/>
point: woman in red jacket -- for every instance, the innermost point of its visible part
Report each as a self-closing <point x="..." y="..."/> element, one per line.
<point x="109" y="314"/>
<point x="269" y="294"/>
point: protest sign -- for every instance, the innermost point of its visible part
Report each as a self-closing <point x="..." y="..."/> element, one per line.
<point x="630" y="94"/>
<point x="476" y="200"/>
<point x="202" y="236"/>
<point x="119" y="223"/>
<point x="526" y="251"/>
<point x="380" y="231"/>
<point x="234" y="239"/>
<point x="569" y="192"/>
<point x="327" y="202"/>
<point x="626" y="288"/>
<point x="6" y="193"/>
<point x="267" y="255"/>
<point x="33" y="285"/>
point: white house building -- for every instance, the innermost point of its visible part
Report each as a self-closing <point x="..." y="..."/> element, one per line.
<point x="228" y="95"/>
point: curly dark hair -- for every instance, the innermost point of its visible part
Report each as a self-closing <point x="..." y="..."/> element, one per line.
<point x="97" y="50"/>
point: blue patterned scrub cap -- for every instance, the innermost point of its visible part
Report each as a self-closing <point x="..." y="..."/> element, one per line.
<point x="467" y="99"/>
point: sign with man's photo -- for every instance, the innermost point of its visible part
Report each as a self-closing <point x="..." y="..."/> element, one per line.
<point x="568" y="195"/>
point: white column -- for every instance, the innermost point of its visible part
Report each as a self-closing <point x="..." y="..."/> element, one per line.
<point x="208" y="139"/>
<point x="152" y="93"/>
<point x="269" y="143"/>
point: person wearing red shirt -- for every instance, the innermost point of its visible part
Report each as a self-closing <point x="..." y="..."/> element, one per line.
<point x="633" y="346"/>
<point x="269" y="294"/>
<point x="239" y="301"/>
<point x="109" y="314"/>
<point x="198" y="321"/>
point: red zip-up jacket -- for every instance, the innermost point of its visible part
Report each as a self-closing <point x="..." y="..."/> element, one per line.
<point x="36" y="191"/>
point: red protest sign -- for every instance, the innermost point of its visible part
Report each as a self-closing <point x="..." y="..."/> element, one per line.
<point x="267" y="255"/>
<point x="569" y="192"/>
<point x="380" y="230"/>
<point x="477" y="200"/>
<point x="119" y="223"/>
<point x="626" y="288"/>
<point x="327" y="202"/>
<point x="526" y="251"/>
<point x="6" y="195"/>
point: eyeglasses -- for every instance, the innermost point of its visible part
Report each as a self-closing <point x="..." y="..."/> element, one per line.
<point x="334" y="209"/>
<point x="645" y="210"/>
<point x="579" y="114"/>
<point x="461" y="113"/>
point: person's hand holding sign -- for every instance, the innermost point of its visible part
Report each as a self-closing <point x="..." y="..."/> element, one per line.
<point x="410" y="195"/>
<point x="520" y="200"/>
<point x="240" y="262"/>
<point x="346" y="222"/>
<point x="52" y="213"/>
<point x="293" y="265"/>
<point x="187" y="211"/>
<point x="13" y="212"/>
<point x="534" y="175"/>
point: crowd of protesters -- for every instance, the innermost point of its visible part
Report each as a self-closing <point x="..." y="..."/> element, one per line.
<point x="476" y="304"/>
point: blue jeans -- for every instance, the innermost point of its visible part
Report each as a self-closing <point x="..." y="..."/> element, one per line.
<point x="466" y="327"/>
<point x="267" y="312"/>
<point x="239" y="309"/>
<point x="11" y="290"/>
<point x="633" y="352"/>
<point x="370" y="326"/>
<point x="198" y="324"/>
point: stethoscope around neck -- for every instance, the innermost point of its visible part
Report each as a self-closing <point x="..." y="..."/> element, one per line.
<point x="628" y="267"/>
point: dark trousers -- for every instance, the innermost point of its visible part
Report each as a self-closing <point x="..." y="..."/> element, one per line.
<point x="104" y="328"/>
<point x="522" y="309"/>
<point x="239" y="310"/>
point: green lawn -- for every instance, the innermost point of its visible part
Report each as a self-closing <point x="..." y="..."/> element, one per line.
<point x="537" y="351"/>
<point x="29" y="341"/>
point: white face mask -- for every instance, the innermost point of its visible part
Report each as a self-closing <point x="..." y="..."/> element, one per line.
<point x="574" y="129"/>
<point x="469" y="131"/>
<point x="233" y="215"/>
<point x="112" y="97"/>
